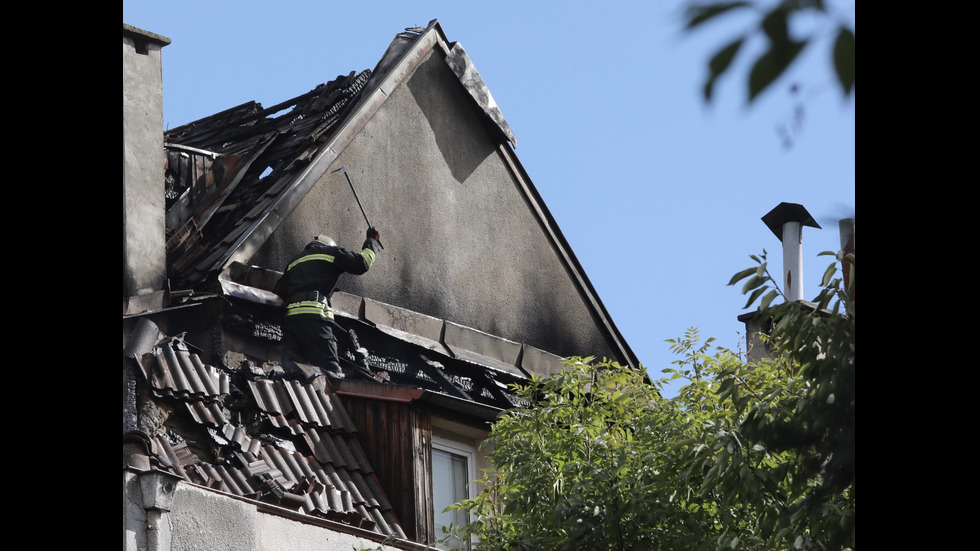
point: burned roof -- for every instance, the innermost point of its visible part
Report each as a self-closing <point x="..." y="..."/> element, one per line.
<point x="389" y="346"/>
<point x="279" y="441"/>
<point x="227" y="172"/>
<point x="246" y="426"/>
<point x="224" y="172"/>
<point x="232" y="178"/>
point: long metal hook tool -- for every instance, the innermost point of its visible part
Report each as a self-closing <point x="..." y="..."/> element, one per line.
<point x="344" y="170"/>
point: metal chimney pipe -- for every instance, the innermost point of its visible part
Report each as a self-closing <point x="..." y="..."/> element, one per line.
<point x="787" y="221"/>
<point x="793" y="260"/>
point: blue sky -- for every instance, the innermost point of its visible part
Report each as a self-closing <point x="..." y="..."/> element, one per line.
<point x="659" y="194"/>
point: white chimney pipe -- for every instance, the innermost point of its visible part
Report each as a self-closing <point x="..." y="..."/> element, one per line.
<point x="787" y="221"/>
<point x="793" y="260"/>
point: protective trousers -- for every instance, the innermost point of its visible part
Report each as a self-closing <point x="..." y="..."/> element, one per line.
<point x="310" y="339"/>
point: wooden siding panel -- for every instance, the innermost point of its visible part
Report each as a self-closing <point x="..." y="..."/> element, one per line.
<point x="422" y="440"/>
<point x="394" y="437"/>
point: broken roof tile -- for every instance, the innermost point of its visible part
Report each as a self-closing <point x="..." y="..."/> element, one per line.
<point x="172" y="370"/>
<point x="324" y="449"/>
<point x="311" y="462"/>
<point x="206" y="413"/>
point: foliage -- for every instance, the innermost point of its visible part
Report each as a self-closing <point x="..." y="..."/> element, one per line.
<point x="806" y="420"/>
<point x="580" y="470"/>
<point x="750" y="454"/>
<point x="774" y="23"/>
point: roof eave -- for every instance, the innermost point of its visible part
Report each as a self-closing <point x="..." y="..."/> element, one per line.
<point x="407" y="395"/>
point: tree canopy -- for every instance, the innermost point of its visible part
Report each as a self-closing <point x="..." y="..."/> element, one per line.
<point x="753" y="453"/>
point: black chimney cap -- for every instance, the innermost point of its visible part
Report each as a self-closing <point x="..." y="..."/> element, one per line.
<point x="788" y="212"/>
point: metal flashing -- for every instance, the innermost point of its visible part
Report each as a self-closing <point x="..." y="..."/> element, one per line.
<point x="410" y="326"/>
<point x="785" y="212"/>
<point x="483" y="348"/>
<point x="539" y="362"/>
<point x="464" y="69"/>
<point x="345" y="304"/>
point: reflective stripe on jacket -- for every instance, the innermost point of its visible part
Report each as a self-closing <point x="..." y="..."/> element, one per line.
<point x="309" y="307"/>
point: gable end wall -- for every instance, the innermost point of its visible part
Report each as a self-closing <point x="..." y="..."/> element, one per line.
<point x="462" y="243"/>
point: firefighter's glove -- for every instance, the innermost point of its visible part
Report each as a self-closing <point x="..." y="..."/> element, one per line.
<point x="373" y="234"/>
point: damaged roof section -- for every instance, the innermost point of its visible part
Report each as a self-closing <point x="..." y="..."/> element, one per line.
<point x="402" y="344"/>
<point x="226" y="171"/>
<point x="389" y="346"/>
<point x="277" y="441"/>
<point x="467" y="74"/>
<point x="245" y="428"/>
<point x="388" y="352"/>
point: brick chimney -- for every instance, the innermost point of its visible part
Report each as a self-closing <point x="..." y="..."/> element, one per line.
<point x="144" y="206"/>
<point x="787" y="221"/>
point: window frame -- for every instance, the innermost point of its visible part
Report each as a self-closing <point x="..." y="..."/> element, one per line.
<point x="465" y="450"/>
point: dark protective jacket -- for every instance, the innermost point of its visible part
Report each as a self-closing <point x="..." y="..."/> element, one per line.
<point x="311" y="276"/>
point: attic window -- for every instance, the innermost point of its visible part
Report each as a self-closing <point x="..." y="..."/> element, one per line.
<point x="142" y="47"/>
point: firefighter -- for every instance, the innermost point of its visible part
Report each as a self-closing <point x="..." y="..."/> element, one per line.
<point x="306" y="286"/>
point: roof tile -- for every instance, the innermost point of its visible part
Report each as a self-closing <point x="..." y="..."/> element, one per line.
<point x="312" y="462"/>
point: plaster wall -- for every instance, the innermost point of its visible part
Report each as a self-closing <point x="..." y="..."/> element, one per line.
<point x="282" y="534"/>
<point x="201" y="519"/>
<point x="206" y="520"/>
<point x="144" y="238"/>
<point x="461" y="241"/>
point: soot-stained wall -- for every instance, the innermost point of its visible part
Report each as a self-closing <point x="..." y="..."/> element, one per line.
<point x="461" y="241"/>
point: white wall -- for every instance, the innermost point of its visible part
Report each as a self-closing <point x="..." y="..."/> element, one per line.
<point x="191" y="518"/>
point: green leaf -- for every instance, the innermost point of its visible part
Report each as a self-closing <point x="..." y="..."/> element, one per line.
<point x="720" y="63"/>
<point x="709" y="89"/>
<point x="770" y="65"/>
<point x="775" y="27"/>
<point x="844" y="59"/>
<point x="696" y="15"/>
<point x="741" y="275"/>
<point x="755" y="294"/>
<point x="753" y="283"/>
<point x="766" y="300"/>
<point x="726" y="388"/>
<point x="828" y="275"/>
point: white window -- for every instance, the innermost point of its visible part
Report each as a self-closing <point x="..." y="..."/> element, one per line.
<point x="453" y="479"/>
